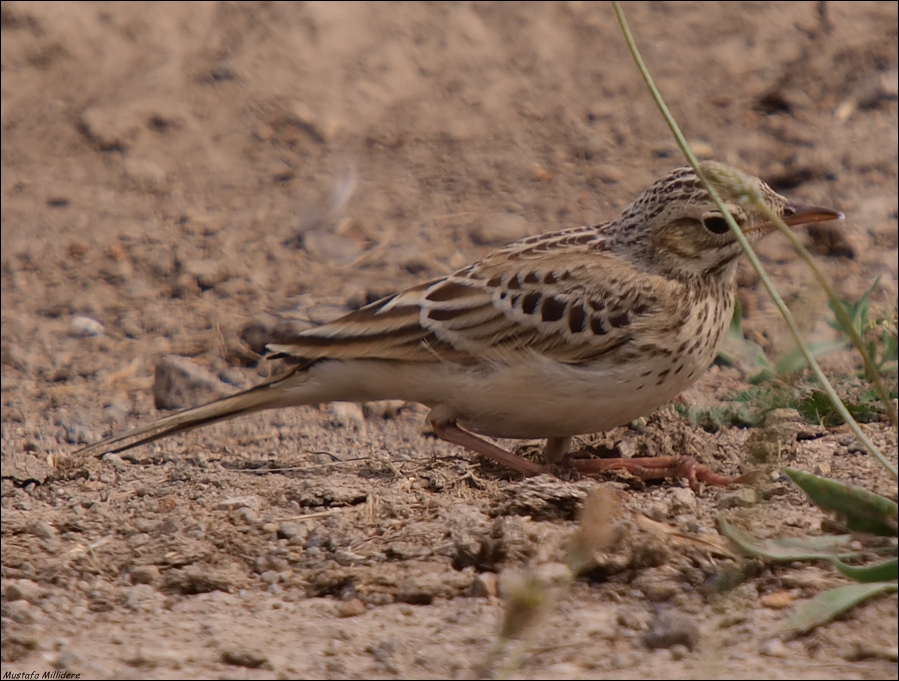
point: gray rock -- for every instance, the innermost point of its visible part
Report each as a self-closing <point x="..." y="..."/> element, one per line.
<point x="24" y="590"/>
<point x="498" y="229"/>
<point x="289" y="530"/>
<point x="144" y="574"/>
<point x="180" y="383"/>
<point x="85" y="327"/>
<point x="207" y="273"/>
<point x="672" y="628"/>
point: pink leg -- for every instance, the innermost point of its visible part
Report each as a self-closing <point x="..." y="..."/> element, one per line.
<point x="654" y="468"/>
<point x="452" y="433"/>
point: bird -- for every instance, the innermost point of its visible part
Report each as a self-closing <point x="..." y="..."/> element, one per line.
<point x="552" y="336"/>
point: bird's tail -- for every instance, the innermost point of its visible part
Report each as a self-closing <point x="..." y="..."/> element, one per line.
<point x="266" y="396"/>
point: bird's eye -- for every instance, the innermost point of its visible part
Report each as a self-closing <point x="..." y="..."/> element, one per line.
<point x="716" y="225"/>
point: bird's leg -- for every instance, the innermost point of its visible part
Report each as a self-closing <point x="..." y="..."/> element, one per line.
<point x="453" y="433"/>
<point x="556" y="448"/>
<point x="654" y="468"/>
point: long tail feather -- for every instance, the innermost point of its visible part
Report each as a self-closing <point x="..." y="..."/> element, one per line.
<point x="265" y="396"/>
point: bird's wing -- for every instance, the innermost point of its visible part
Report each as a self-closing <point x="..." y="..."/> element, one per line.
<point x="563" y="296"/>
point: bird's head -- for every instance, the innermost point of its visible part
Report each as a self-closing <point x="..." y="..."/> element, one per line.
<point x="675" y="228"/>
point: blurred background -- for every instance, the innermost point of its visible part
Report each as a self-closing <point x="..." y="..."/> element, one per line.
<point x="189" y="178"/>
<point x="262" y="151"/>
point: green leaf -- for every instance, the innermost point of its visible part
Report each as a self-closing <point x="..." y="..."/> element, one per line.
<point x="886" y="571"/>
<point x="863" y="511"/>
<point x="802" y="548"/>
<point x="762" y="376"/>
<point x="825" y="606"/>
<point x="857" y="311"/>
<point x="712" y="419"/>
<point x="743" y="353"/>
<point x="890" y="347"/>
<point x="817" y="408"/>
<point x="795" y="360"/>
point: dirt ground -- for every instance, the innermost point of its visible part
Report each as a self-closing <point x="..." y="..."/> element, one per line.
<point x="181" y="179"/>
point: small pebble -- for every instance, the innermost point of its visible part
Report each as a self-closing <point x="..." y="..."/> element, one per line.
<point x="625" y="660"/>
<point x="144" y="574"/>
<point x="679" y="652"/>
<point x="742" y="497"/>
<point x="774" y="647"/>
<point x="143" y="598"/>
<point x="351" y="608"/>
<point x="484" y="586"/>
<point x="20" y="611"/>
<point x="632" y="618"/>
<point x="24" y="590"/>
<point x="179" y="383"/>
<point x="244" y="657"/>
<point x="347" y="414"/>
<point x="290" y="530"/>
<point x="777" y="600"/>
<point x="498" y="229"/>
<point x="231" y="503"/>
<point x="672" y="628"/>
<point x="85" y="327"/>
<point x="681" y="499"/>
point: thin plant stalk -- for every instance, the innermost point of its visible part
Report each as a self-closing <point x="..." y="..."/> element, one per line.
<point x="747" y="248"/>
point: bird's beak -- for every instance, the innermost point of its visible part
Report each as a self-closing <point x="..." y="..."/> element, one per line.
<point x="805" y="215"/>
<point x="794" y="215"/>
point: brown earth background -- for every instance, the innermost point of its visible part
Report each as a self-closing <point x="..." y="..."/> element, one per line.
<point x="180" y="179"/>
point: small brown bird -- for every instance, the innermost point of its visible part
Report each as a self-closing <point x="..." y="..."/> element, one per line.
<point x="555" y="335"/>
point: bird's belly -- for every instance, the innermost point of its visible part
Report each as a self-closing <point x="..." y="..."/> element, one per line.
<point x="537" y="398"/>
<point x="548" y="399"/>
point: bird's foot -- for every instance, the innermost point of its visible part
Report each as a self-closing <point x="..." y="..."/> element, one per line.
<point x="655" y="468"/>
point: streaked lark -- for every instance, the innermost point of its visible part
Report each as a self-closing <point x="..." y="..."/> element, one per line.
<point x="556" y="335"/>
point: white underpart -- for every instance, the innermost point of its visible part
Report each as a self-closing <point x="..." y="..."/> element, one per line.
<point x="539" y="398"/>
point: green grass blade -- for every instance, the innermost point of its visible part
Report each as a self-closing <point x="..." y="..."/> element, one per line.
<point x="780" y="550"/>
<point x="825" y="606"/>
<point x="863" y="511"/>
<point x="887" y="571"/>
